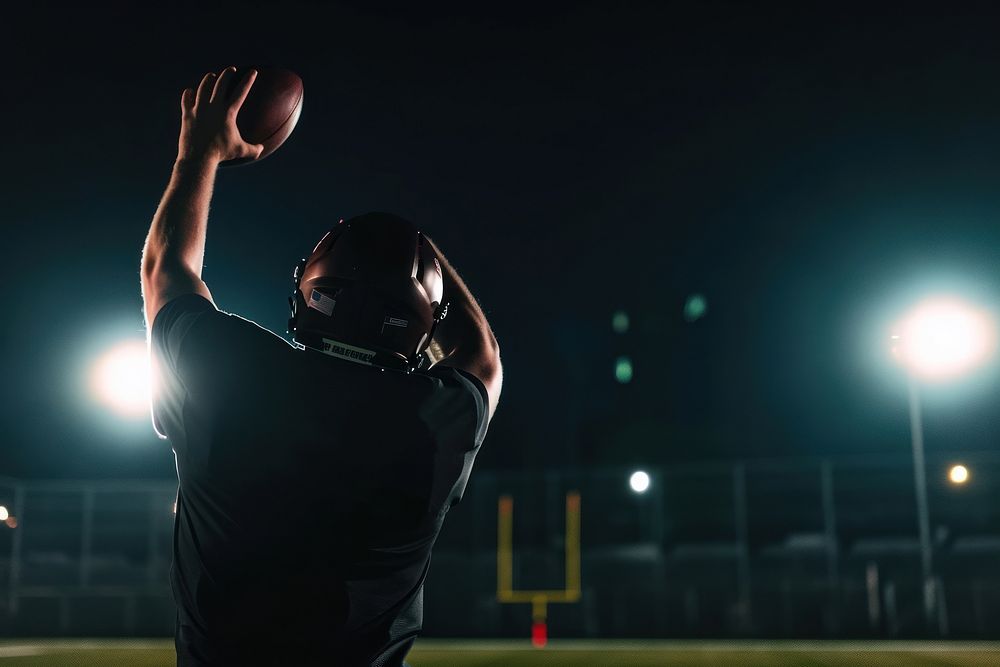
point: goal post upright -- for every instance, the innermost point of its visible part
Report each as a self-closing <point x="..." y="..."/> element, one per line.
<point x="539" y="599"/>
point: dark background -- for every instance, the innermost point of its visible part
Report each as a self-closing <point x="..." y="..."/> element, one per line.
<point x="810" y="170"/>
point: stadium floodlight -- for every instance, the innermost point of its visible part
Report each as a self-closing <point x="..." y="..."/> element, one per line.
<point x="120" y="378"/>
<point x="639" y="481"/>
<point x="958" y="474"/>
<point x="939" y="339"/>
<point x="943" y="337"/>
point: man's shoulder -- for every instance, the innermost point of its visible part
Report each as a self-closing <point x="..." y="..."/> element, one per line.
<point x="459" y="406"/>
<point x="183" y="308"/>
<point x="191" y="325"/>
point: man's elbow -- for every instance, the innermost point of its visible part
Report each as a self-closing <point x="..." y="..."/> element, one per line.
<point x="491" y="373"/>
<point x="150" y="264"/>
<point x="493" y="348"/>
<point x="493" y="384"/>
<point x="480" y="357"/>
<point x="159" y="259"/>
<point x="146" y="265"/>
<point x="489" y="357"/>
<point x="153" y="276"/>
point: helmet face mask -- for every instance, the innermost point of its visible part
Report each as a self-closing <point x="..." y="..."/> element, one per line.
<point x="373" y="284"/>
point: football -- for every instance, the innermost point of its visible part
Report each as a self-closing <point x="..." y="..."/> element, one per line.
<point x="270" y="111"/>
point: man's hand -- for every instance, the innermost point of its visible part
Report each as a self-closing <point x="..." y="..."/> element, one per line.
<point x="208" y="119"/>
<point x="175" y="247"/>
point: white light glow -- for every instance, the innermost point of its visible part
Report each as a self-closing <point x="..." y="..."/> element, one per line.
<point x="639" y="481"/>
<point x="120" y="379"/>
<point x="942" y="338"/>
<point x="4" y="513"/>
<point x="958" y="474"/>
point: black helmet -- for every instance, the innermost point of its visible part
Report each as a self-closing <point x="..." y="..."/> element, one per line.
<point x="370" y="292"/>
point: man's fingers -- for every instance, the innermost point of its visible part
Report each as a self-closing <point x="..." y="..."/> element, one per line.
<point x="223" y="84"/>
<point x="240" y="95"/>
<point x="204" y="94"/>
<point x="187" y="102"/>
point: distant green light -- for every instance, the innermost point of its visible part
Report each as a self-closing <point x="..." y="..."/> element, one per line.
<point x="695" y="307"/>
<point x="623" y="370"/>
<point x="619" y="322"/>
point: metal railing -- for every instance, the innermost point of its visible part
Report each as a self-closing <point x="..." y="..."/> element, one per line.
<point x="794" y="548"/>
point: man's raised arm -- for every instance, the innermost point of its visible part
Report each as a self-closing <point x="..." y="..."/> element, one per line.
<point x="464" y="337"/>
<point x="175" y="247"/>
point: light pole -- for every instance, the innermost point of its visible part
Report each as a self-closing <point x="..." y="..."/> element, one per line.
<point x="923" y="515"/>
<point x="939" y="339"/>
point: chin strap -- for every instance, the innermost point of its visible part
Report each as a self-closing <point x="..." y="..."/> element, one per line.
<point x="421" y="361"/>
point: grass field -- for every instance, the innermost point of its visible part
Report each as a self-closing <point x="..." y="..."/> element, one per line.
<point x="438" y="653"/>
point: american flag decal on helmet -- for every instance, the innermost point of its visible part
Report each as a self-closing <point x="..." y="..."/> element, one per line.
<point x="321" y="302"/>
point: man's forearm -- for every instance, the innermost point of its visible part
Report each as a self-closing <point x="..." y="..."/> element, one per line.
<point x="177" y="235"/>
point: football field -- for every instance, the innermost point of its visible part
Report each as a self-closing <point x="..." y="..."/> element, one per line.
<point x="465" y="653"/>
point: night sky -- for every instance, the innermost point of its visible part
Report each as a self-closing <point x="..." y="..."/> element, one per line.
<point x="810" y="170"/>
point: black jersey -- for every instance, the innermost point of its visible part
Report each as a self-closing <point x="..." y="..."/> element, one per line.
<point x="311" y="490"/>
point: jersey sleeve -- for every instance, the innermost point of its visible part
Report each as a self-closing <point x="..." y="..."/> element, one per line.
<point x="171" y="325"/>
<point x="170" y="330"/>
<point x="459" y="409"/>
<point x="456" y="413"/>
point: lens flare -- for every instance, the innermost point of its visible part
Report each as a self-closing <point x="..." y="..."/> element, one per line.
<point x="695" y="307"/>
<point x="620" y="322"/>
<point x="623" y="370"/>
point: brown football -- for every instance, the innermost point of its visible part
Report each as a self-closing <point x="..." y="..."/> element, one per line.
<point x="270" y="111"/>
